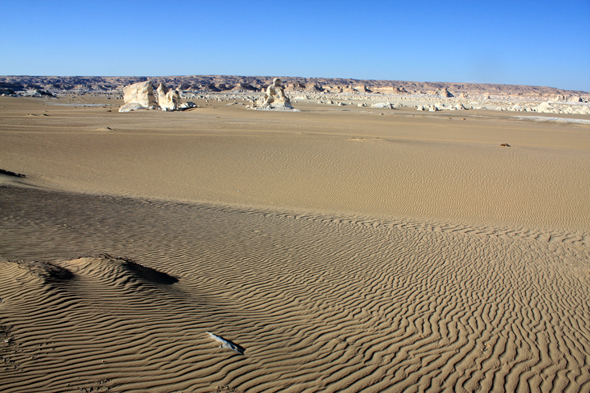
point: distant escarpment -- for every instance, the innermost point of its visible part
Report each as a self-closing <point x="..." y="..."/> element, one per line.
<point x="221" y="83"/>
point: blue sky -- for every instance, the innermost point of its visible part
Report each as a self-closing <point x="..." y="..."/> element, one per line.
<point x="545" y="43"/>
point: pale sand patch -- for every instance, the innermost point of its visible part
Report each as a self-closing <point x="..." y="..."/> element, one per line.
<point x="362" y="252"/>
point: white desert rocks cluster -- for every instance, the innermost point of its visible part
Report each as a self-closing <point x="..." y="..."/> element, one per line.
<point x="421" y="96"/>
<point x="140" y="96"/>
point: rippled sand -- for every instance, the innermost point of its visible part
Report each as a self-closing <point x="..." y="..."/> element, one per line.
<point x="344" y="250"/>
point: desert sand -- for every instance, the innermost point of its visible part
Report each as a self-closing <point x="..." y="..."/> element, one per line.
<point x="343" y="248"/>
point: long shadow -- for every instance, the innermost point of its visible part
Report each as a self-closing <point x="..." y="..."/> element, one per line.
<point x="144" y="272"/>
<point x="12" y="174"/>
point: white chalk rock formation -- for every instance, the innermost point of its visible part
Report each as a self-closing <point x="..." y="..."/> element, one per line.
<point x="546" y="107"/>
<point x="274" y="98"/>
<point x="162" y="90"/>
<point x="169" y="100"/>
<point x="138" y="96"/>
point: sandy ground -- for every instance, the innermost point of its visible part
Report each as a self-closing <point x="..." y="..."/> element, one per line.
<point x="343" y="248"/>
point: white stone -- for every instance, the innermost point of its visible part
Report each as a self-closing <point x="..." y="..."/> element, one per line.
<point x="139" y="96"/>
<point x="132" y="106"/>
<point x="169" y="100"/>
<point x="545" y="107"/>
<point x="187" y="105"/>
<point x="274" y="98"/>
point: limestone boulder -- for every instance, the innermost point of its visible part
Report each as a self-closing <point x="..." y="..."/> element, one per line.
<point x="274" y="98"/>
<point x="169" y="100"/>
<point x="187" y="105"/>
<point x="545" y="107"/>
<point x="139" y="96"/>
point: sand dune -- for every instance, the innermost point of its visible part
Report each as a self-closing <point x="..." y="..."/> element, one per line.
<point x="318" y="303"/>
<point x="362" y="253"/>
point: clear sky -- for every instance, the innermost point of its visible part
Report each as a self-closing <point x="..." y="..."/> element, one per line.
<point x="545" y="43"/>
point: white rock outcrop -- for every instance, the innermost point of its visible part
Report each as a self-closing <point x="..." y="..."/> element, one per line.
<point x="139" y="96"/>
<point x="274" y="98"/>
<point x="169" y="100"/>
<point x="546" y="107"/>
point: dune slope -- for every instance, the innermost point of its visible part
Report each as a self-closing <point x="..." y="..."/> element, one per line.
<point x="320" y="303"/>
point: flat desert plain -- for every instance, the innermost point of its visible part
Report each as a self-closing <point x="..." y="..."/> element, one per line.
<point x="342" y="249"/>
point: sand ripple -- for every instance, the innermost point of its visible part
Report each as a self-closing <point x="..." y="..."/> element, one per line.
<point x="319" y="303"/>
